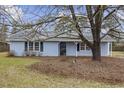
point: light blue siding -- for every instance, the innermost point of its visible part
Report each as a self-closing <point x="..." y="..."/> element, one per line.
<point x="85" y="53"/>
<point x="105" y="49"/>
<point x="17" y="48"/>
<point x="50" y="48"/>
<point x="70" y="49"/>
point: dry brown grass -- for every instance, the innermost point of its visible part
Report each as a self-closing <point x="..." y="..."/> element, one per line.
<point x="110" y="70"/>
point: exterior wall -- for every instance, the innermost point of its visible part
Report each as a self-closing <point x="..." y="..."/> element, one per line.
<point x="105" y="49"/>
<point x="17" y="48"/>
<point x="71" y="49"/>
<point x="50" y="48"/>
<point x="85" y="53"/>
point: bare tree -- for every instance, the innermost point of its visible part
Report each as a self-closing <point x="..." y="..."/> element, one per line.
<point x="98" y="16"/>
<point x="79" y="19"/>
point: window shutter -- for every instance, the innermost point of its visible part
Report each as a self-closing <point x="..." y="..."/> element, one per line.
<point x="26" y="46"/>
<point x="78" y="47"/>
<point x="41" y="46"/>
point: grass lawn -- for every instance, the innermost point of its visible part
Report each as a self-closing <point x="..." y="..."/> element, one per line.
<point x="118" y="54"/>
<point x="14" y="73"/>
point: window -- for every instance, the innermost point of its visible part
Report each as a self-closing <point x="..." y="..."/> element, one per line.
<point x="26" y="46"/>
<point x="41" y="46"/>
<point x="82" y="46"/>
<point x="37" y="46"/>
<point x="30" y="46"/>
<point x="33" y="46"/>
<point x="87" y="48"/>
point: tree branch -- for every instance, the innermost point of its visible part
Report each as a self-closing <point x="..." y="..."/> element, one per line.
<point x="78" y="27"/>
<point x="111" y="13"/>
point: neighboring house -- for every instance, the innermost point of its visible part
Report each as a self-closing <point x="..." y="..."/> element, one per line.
<point x="25" y="43"/>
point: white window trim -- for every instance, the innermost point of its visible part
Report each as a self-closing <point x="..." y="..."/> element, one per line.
<point x="85" y="47"/>
<point x="81" y="46"/>
<point x="39" y="47"/>
<point x="29" y="46"/>
<point x="33" y="46"/>
<point x="88" y="47"/>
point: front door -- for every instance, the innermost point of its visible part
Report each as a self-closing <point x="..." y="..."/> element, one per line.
<point x="62" y="48"/>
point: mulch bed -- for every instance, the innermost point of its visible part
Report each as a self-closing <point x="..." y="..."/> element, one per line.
<point x="110" y="70"/>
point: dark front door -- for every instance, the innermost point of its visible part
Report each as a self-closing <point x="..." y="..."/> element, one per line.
<point x="62" y="49"/>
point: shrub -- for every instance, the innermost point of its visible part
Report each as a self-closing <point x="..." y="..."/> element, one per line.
<point x="11" y="54"/>
<point x="4" y="47"/>
<point x="118" y="48"/>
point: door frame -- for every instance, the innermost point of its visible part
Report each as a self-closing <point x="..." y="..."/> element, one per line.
<point x="62" y="48"/>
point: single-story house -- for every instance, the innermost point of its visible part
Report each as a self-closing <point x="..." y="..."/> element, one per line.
<point x="24" y="43"/>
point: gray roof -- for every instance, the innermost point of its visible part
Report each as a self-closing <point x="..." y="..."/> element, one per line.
<point x="51" y="36"/>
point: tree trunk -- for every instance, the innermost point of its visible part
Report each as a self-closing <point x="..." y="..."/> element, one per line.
<point x="96" y="50"/>
<point x="96" y="53"/>
<point x="95" y="23"/>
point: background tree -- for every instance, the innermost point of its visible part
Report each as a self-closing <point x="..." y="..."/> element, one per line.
<point x="99" y="21"/>
<point x="3" y="33"/>
<point x="94" y="19"/>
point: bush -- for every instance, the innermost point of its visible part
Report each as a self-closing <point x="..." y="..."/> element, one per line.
<point x="118" y="48"/>
<point x="4" y="47"/>
<point x="11" y="54"/>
